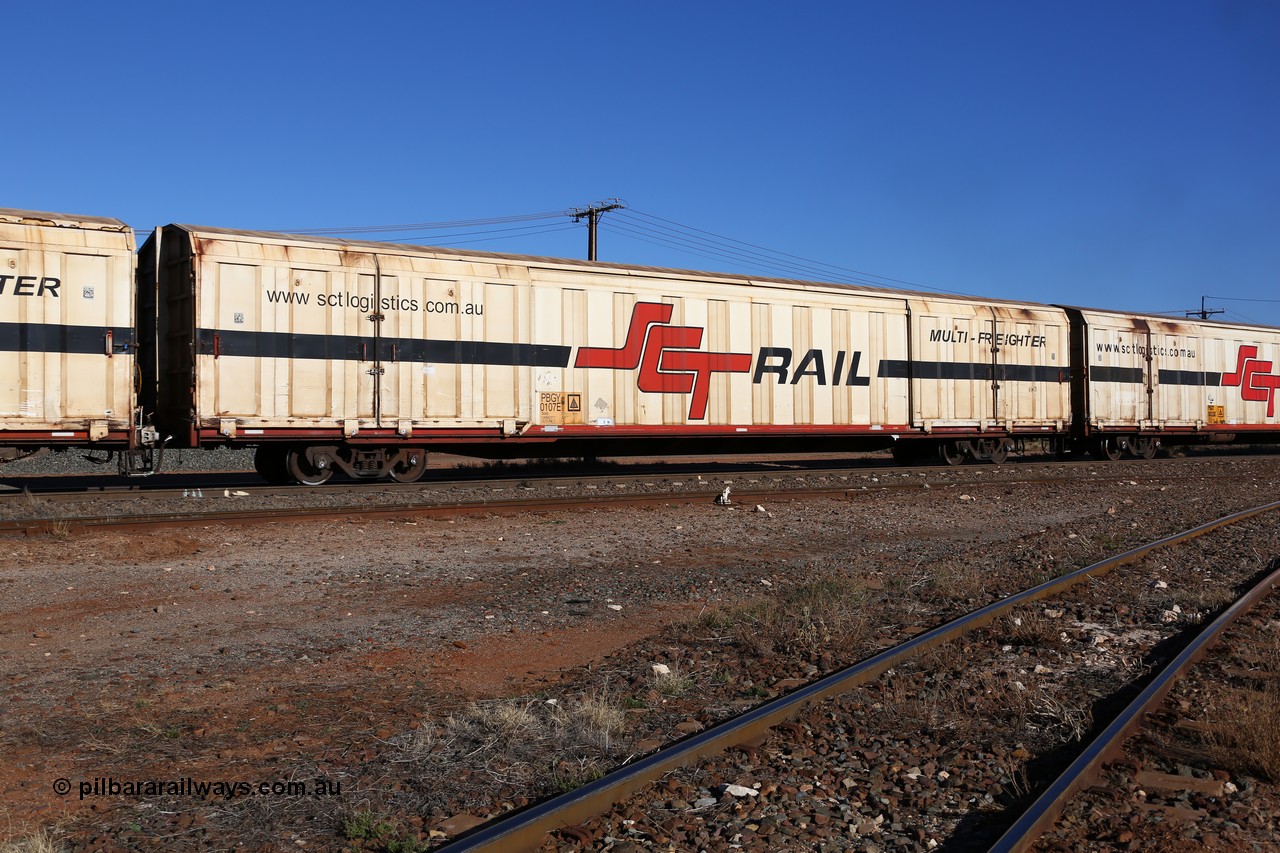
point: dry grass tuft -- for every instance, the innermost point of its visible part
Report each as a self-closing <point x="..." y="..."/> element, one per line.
<point x="1028" y="628"/>
<point x="36" y="842"/>
<point x="530" y="742"/>
<point x="1244" y="722"/>
<point x="806" y="619"/>
<point x="672" y="684"/>
<point x="947" y="581"/>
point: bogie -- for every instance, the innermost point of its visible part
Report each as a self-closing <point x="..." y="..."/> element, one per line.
<point x="315" y="464"/>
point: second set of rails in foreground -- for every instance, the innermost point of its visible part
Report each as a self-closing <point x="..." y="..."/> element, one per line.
<point x="530" y="828"/>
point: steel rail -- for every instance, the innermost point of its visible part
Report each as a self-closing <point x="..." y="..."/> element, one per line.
<point x="1044" y="812"/>
<point x="49" y="489"/>
<point x="79" y="524"/>
<point x="267" y="516"/>
<point x="527" y="828"/>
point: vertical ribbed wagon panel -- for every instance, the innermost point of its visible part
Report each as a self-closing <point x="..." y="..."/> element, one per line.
<point x="66" y="317"/>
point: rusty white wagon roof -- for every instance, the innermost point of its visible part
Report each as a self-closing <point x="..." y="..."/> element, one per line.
<point x="444" y="253"/>
<point x="63" y="220"/>
<point x="1177" y="325"/>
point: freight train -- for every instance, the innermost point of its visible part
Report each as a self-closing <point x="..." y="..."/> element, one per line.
<point x="334" y="355"/>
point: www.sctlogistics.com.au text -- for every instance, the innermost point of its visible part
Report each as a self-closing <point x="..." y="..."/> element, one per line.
<point x="203" y="789"/>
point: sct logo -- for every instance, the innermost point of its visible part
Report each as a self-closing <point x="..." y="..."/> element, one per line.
<point x="1254" y="379"/>
<point x="668" y="357"/>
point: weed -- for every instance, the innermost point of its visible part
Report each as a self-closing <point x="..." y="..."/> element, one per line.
<point x="36" y="842"/>
<point x="1059" y="720"/>
<point x="713" y="622"/>
<point x="516" y="740"/>
<point x="672" y="683"/>
<point x="596" y="719"/>
<point x="565" y="776"/>
<point x="948" y="581"/>
<point x="1015" y="772"/>
<point x="31" y="503"/>
<point x="365" y="826"/>
<point x="1028" y="628"/>
<point x="405" y="845"/>
<point x="1245" y="722"/>
<point x="806" y="619"/>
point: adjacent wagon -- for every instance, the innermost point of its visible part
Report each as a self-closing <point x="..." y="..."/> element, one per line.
<point x="334" y="354"/>
<point x="67" y="356"/>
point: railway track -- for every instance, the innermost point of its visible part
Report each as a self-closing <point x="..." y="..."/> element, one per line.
<point x="73" y="487"/>
<point x="662" y="489"/>
<point x="77" y="508"/>
<point x="530" y="828"/>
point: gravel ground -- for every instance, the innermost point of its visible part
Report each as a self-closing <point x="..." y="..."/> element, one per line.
<point x="413" y="662"/>
<point x="1203" y="773"/>
<point x="941" y="751"/>
<point x="471" y="481"/>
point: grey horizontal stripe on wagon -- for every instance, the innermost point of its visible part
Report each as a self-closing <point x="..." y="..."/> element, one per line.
<point x="360" y="348"/>
<point x="1190" y="377"/>
<point x="1123" y="375"/>
<point x="972" y="370"/>
<point x="58" y="337"/>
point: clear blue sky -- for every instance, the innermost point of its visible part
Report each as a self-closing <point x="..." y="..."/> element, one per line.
<point x="1120" y="155"/>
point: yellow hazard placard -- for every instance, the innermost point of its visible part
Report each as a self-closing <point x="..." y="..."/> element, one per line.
<point x="1216" y="415"/>
<point x="560" y="407"/>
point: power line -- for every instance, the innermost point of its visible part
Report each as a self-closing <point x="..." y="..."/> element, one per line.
<point x="862" y="275"/>
<point x="1242" y="299"/>
<point x="725" y="250"/>
<point x="642" y="227"/>
<point x="544" y="229"/>
<point x="690" y="241"/>
<point x="519" y="231"/>
<point x="1240" y="318"/>
<point x="421" y="226"/>
<point x="657" y="239"/>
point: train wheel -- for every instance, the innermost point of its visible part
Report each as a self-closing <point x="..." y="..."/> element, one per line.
<point x="409" y="467"/>
<point x="303" y="471"/>
<point x="999" y="451"/>
<point x="269" y="462"/>
<point x="1106" y="449"/>
<point x="951" y="452"/>
<point x="1144" y="448"/>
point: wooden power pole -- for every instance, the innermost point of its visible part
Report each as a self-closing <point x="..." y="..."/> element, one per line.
<point x="592" y="215"/>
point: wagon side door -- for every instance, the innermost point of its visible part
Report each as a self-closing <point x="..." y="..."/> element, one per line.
<point x="1116" y="351"/>
<point x="951" y="365"/>
<point x="1032" y="375"/>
